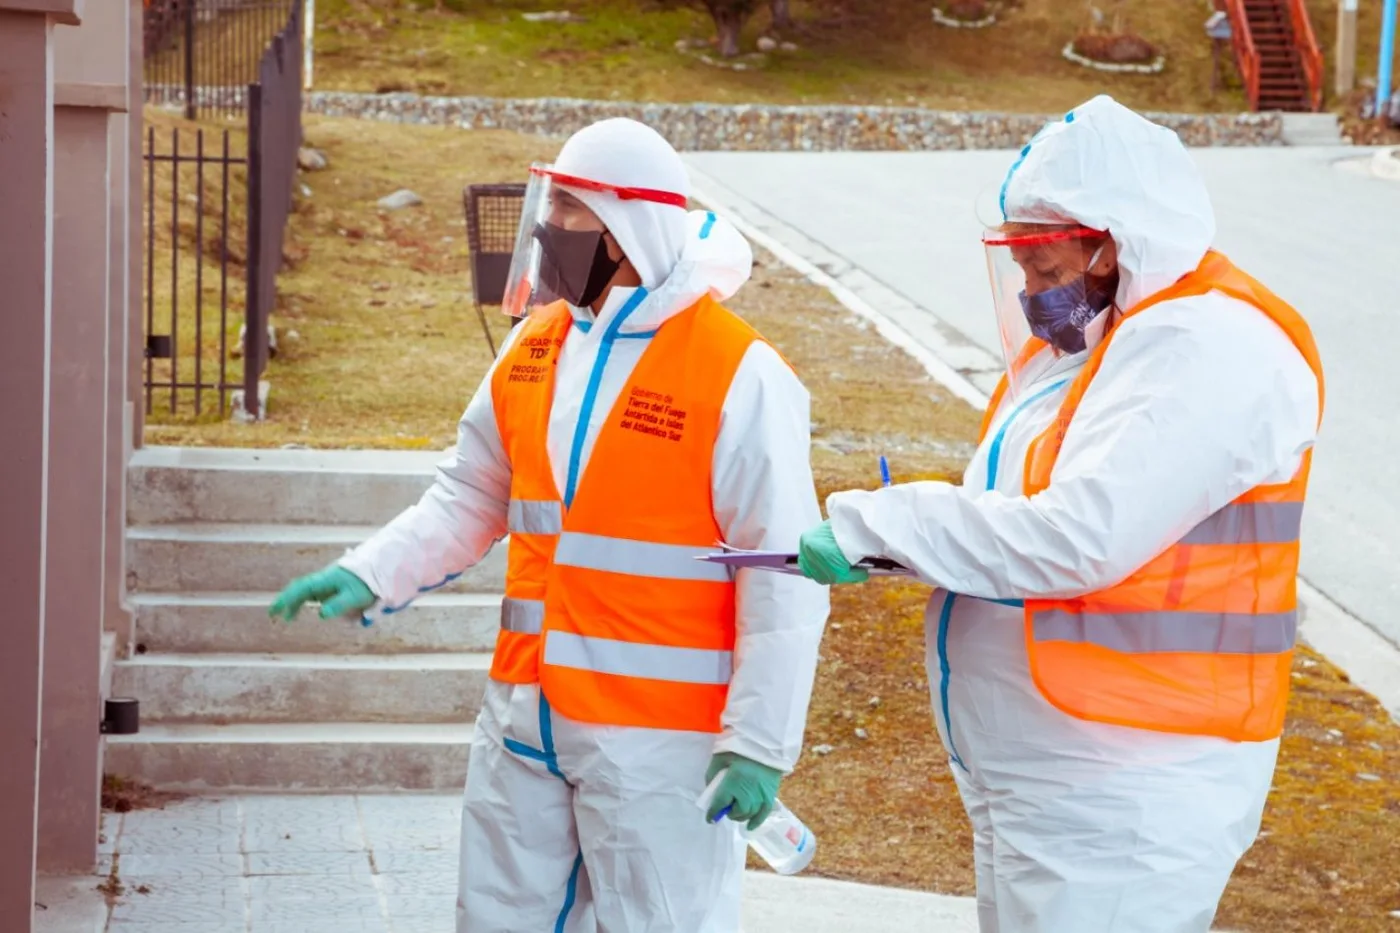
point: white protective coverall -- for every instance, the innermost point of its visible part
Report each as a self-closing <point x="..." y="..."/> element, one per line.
<point x="1083" y="827"/>
<point x="573" y="827"/>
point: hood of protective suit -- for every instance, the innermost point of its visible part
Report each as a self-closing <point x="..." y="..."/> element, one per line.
<point x="715" y="260"/>
<point x="1108" y="168"/>
<point x="628" y="154"/>
<point x="680" y="255"/>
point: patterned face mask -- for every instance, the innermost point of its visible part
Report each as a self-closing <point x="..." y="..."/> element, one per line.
<point x="1059" y="315"/>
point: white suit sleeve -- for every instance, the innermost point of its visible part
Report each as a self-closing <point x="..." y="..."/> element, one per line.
<point x="764" y="498"/>
<point x="1195" y="404"/>
<point x="456" y="522"/>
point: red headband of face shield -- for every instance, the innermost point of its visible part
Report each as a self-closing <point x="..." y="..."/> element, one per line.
<point x="1040" y="284"/>
<point x="1041" y="237"/>
<point x="621" y="192"/>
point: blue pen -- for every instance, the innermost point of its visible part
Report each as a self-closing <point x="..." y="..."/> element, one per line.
<point x="884" y="471"/>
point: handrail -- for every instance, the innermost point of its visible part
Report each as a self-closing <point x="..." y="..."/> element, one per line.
<point x="1246" y="55"/>
<point x="1308" y="51"/>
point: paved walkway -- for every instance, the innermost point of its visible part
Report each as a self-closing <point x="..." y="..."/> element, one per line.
<point x="379" y="864"/>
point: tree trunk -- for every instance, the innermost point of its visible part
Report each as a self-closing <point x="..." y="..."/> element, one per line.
<point x="729" y="16"/>
<point x="728" y="23"/>
<point x="782" y="15"/>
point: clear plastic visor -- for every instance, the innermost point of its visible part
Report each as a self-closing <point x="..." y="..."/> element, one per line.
<point x="553" y="198"/>
<point x="523" y="291"/>
<point x="1028" y="260"/>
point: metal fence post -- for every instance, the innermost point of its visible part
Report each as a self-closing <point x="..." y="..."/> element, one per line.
<point x="189" y="59"/>
<point x="255" y="315"/>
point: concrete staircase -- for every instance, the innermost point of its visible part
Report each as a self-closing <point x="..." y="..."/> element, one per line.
<point x="231" y="700"/>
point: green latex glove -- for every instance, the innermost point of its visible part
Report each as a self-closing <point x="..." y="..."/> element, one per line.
<point x="820" y="557"/>
<point x="339" y="592"/>
<point x="748" y="789"/>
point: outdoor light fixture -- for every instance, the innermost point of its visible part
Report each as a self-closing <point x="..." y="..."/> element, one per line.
<point x="122" y="716"/>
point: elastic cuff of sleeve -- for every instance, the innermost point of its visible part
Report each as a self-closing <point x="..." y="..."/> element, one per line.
<point x="852" y="548"/>
<point x="737" y="745"/>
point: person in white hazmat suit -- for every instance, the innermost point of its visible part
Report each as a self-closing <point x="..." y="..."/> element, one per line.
<point x="659" y="671"/>
<point x="1109" y="640"/>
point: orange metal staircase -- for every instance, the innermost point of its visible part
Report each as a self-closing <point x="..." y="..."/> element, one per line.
<point x="1277" y="53"/>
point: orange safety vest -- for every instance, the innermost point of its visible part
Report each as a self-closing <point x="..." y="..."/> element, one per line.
<point x="1200" y="639"/>
<point x="606" y="606"/>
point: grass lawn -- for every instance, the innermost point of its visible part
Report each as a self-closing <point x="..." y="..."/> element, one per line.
<point x="849" y="51"/>
<point x="389" y="351"/>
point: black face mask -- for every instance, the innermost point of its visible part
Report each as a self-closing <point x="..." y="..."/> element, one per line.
<point x="574" y="264"/>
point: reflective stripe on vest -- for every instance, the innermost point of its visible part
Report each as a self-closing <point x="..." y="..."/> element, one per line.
<point x="522" y="391"/>
<point x="626" y="659"/>
<point x="1250" y="523"/>
<point x="523" y="616"/>
<point x="638" y="558"/>
<point x="535" y="517"/>
<point x="1163" y="632"/>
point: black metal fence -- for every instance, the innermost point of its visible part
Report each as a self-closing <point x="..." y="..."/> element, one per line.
<point x="201" y="55"/>
<point x="208" y="212"/>
<point x="274" y="138"/>
<point x="190" y="224"/>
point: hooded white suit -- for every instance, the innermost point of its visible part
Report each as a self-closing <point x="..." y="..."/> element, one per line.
<point x="569" y="827"/>
<point x="1083" y="827"/>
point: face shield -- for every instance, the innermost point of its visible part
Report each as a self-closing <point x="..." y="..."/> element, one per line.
<point x="1046" y="294"/>
<point x="561" y="249"/>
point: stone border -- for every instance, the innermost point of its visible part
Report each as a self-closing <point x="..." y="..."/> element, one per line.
<point x="770" y="128"/>
<point x="1152" y="69"/>
<point x="944" y="19"/>
<point x="695" y="48"/>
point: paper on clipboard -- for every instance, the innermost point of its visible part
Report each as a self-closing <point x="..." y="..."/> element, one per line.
<point x="786" y="562"/>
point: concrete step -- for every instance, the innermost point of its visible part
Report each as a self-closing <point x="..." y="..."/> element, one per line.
<point x="353" y="487"/>
<point x="202" y="558"/>
<point x="238" y="622"/>
<point x="324" y="688"/>
<point x="295" y="756"/>
<point x="1312" y="129"/>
